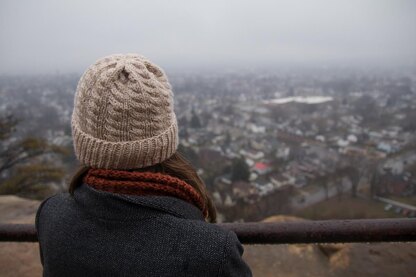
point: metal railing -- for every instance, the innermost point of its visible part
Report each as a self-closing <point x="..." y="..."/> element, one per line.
<point x="319" y="231"/>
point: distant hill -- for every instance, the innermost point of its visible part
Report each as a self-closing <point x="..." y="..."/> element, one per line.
<point x="380" y="259"/>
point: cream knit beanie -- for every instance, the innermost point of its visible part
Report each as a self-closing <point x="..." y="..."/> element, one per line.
<point x="123" y="114"/>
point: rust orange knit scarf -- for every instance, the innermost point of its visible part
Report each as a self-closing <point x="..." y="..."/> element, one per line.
<point x="143" y="183"/>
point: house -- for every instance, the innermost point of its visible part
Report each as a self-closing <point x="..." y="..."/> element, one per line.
<point x="264" y="187"/>
<point x="395" y="184"/>
<point x="256" y="129"/>
<point x="279" y="180"/>
<point x="343" y="143"/>
<point x="262" y="168"/>
<point x="385" y="147"/>
<point x="352" y="138"/>
<point x="283" y="153"/>
<point x="253" y="155"/>
<point x="242" y="189"/>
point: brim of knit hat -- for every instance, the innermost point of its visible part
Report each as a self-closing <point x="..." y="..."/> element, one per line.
<point x="98" y="153"/>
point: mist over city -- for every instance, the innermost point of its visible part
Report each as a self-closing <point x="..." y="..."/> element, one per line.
<point x="46" y="36"/>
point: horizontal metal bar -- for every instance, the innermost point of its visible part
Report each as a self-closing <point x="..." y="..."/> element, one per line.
<point x="320" y="231"/>
<point x="18" y="232"/>
<point x="326" y="231"/>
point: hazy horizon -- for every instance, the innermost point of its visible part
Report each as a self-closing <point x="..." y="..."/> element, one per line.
<point x="45" y="36"/>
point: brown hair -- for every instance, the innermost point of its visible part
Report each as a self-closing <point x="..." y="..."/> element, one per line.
<point x="177" y="166"/>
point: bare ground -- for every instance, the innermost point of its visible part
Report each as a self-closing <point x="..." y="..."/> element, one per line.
<point x="19" y="259"/>
<point x="354" y="259"/>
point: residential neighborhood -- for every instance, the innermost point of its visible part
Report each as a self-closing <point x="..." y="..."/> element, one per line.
<point x="294" y="137"/>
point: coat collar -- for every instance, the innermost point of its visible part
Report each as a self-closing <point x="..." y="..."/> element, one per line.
<point x="122" y="207"/>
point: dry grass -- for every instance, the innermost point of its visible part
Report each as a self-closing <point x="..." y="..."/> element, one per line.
<point x="346" y="207"/>
<point x="407" y="200"/>
<point x="19" y="259"/>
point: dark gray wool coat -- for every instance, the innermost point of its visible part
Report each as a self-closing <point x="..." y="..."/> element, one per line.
<point x="98" y="233"/>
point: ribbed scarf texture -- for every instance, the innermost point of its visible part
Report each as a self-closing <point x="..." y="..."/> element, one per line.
<point x="143" y="183"/>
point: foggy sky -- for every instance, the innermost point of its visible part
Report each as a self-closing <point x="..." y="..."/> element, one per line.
<point x="47" y="36"/>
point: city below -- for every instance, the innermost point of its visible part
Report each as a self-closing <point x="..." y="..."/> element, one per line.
<point x="264" y="143"/>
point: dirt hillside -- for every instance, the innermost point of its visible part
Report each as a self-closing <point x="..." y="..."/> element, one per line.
<point x="18" y="259"/>
<point x="355" y="259"/>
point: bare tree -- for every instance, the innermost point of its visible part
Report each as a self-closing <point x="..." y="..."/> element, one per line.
<point x="20" y="159"/>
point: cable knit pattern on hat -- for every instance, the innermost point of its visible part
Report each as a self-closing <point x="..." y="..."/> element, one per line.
<point x="123" y="115"/>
